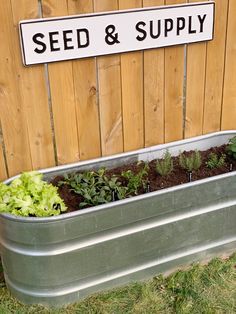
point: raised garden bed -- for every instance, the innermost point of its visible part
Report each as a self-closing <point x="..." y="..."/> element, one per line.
<point x="57" y="260"/>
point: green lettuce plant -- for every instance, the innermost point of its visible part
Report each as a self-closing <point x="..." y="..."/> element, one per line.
<point x="29" y="195"/>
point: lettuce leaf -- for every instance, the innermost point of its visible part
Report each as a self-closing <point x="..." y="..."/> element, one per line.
<point x="29" y="195"/>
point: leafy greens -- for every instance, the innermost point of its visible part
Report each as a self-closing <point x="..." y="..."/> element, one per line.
<point x="29" y="195"/>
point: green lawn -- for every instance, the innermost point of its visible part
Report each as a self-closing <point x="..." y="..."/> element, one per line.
<point x="201" y="289"/>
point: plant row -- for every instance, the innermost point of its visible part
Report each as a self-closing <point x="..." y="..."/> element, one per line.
<point x="29" y="195"/>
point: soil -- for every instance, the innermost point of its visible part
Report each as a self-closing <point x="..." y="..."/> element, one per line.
<point x="156" y="182"/>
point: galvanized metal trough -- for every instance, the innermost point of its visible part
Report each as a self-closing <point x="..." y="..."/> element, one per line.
<point x="58" y="260"/>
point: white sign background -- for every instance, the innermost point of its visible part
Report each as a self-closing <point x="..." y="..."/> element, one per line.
<point x="125" y="23"/>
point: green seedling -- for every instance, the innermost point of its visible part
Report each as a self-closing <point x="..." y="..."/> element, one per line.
<point x="231" y="147"/>
<point x="215" y="162"/>
<point x="95" y="187"/>
<point x="165" y="166"/>
<point x="135" y="181"/>
<point x="190" y="163"/>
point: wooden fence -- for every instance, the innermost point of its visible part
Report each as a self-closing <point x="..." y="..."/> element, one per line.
<point x="76" y="110"/>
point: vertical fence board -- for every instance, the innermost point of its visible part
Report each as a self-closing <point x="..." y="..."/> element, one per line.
<point x="229" y="98"/>
<point x="215" y="70"/>
<point x="195" y="87"/>
<point x="12" y="116"/>
<point x="62" y="95"/>
<point x="119" y="102"/>
<point x="109" y="78"/>
<point x="132" y="91"/>
<point x="154" y="90"/>
<point x="85" y="85"/>
<point x="174" y="76"/>
<point x="3" y="172"/>
<point x="32" y="85"/>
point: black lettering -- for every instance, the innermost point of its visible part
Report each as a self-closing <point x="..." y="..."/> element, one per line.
<point x="180" y="24"/>
<point x="201" y="20"/>
<point x="40" y="43"/>
<point x="86" y="43"/>
<point x="158" y="30"/>
<point x="53" y="41"/>
<point x="168" y="26"/>
<point x="190" y="30"/>
<point x="140" y="30"/>
<point x="67" y="39"/>
<point x="111" y="36"/>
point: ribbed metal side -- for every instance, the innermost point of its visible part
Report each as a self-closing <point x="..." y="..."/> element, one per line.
<point x="57" y="260"/>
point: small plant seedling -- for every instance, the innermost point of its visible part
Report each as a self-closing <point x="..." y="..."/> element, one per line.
<point x="215" y="162"/>
<point x="95" y="187"/>
<point x="135" y="181"/>
<point x="165" y="166"/>
<point x="190" y="163"/>
<point x="231" y="147"/>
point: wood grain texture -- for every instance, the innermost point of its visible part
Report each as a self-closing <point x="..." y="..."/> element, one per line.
<point x="229" y="97"/>
<point x="85" y="85"/>
<point x="87" y="95"/>
<point x="195" y="87"/>
<point x="109" y="77"/>
<point x="33" y="89"/>
<point x="174" y="75"/>
<point x="3" y="170"/>
<point x="13" y="119"/>
<point x="154" y="90"/>
<point x="62" y="96"/>
<point x="132" y="91"/>
<point x="215" y="70"/>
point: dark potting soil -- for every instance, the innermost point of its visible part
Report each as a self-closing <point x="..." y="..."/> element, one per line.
<point x="156" y="182"/>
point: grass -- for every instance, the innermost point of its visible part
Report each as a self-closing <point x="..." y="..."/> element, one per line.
<point x="200" y="289"/>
